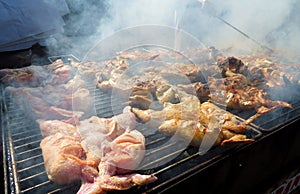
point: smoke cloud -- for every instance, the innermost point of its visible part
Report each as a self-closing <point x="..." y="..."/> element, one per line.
<point x="273" y="23"/>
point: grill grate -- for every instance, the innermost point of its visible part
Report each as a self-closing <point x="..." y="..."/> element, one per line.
<point x="26" y="171"/>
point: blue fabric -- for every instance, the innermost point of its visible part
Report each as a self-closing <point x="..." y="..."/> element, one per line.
<point x="25" y="21"/>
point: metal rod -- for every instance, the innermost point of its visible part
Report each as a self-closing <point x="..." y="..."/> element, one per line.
<point x="244" y="34"/>
<point x="212" y="12"/>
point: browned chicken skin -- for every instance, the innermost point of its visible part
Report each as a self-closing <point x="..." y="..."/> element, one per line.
<point x="193" y="121"/>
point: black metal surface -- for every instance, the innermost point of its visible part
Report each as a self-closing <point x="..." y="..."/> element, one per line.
<point x="25" y="170"/>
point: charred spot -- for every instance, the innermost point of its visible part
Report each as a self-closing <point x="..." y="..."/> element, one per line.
<point x="232" y="60"/>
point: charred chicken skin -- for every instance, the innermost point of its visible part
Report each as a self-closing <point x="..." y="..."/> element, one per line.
<point x="235" y="89"/>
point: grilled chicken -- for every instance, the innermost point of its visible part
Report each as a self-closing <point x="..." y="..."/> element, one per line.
<point x="272" y="72"/>
<point x="193" y="122"/>
<point x="239" y="94"/>
<point x="235" y="92"/>
<point x="231" y="64"/>
<point x="102" y="152"/>
<point x="187" y="109"/>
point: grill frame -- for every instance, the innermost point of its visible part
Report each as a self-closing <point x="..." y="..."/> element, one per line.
<point x="191" y="162"/>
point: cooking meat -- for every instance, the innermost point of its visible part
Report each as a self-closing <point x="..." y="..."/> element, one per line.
<point x="235" y="90"/>
<point x="139" y="82"/>
<point x="126" y="153"/>
<point x="267" y="71"/>
<point x="51" y="127"/>
<point x="60" y="168"/>
<point x="187" y="109"/>
<point x="202" y="55"/>
<point x="101" y="152"/>
<point x="123" y="155"/>
<point x="231" y="64"/>
<point x="97" y="132"/>
<point x="228" y="120"/>
<point x="193" y="122"/>
<point x="237" y="94"/>
<point x="123" y="182"/>
<point x="52" y="112"/>
<point x="55" y="101"/>
<point x="189" y="130"/>
<point x="169" y="91"/>
<point x="55" y="73"/>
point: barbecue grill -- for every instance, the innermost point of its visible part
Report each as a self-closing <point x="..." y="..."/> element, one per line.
<point x="25" y="172"/>
<point x="238" y="169"/>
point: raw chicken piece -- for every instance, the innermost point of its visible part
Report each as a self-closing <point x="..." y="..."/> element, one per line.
<point x="96" y="133"/>
<point x="110" y="144"/>
<point x="75" y="83"/>
<point x="127" y="151"/>
<point x="56" y="150"/>
<point x="51" y="127"/>
<point x="52" y="112"/>
<point x="50" y="101"/>
<point x="55" y="73"/>
<point x="78" y="100"/>
<point x="101" y="185"/>
<point x="124" y="155"/>
<point x="123" y="182"/>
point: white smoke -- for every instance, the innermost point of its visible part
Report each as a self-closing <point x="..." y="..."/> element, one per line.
<point x="272" y="23"/>
<point x="269" y="22"/>
<point x="129" y="13"/>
